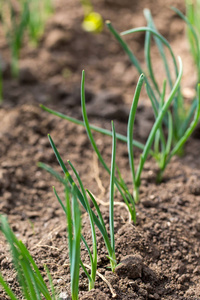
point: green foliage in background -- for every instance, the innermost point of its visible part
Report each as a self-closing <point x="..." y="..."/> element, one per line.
<point x="39" y="13"/>
<point x="22" y="17"/>
<point x="192" y="20"/>
<point x="14" y="19"/>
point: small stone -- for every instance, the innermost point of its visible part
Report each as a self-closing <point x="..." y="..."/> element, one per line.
<point x="42" y="185"/>
<point x="131" y="266"/>
<point x="149" y="203"/>
<point x="7" y="196"/>
<point x="57" y="38"/>
<point x="193" y="185"/>
<point x="10" y="280"/>
<point x="26" y="76"/>
<point x="64" y="296"/>
<point x="143" y="293"/>
<point x="182" y="279"/>
<point x="4" y="179"/>
<point x="197" y="226"/>
<point x="156" y="296"/>
<point x="197" y="270"/>
<point x="20" y="175"/>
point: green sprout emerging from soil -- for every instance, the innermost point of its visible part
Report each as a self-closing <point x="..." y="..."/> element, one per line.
<point x="74" y="219"/>
<point x="20" y="18"/>
<point x="30" y="280"/>
<point x="14" y="21"/>
<point x="193" y="30"/>
<point x="168" y="151"/>
<point x="39" y="14"/>
<point x="81" y="194"/>
<point x="172" y="126"/>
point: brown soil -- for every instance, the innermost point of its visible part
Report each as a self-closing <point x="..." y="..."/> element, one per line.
<point x="160" y="254"/>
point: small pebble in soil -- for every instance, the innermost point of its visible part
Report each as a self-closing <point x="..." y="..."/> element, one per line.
<point x="26" y="76"/>
<point x="64" y="296"/>
<point x="197" y="270"/>
<point x="131" y="266"/>
<point x="197" y="226"/>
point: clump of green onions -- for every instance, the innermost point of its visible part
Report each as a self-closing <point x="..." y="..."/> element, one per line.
<point x="95" y="217"/>
<point x="29" y="277"/>
<point x="94" y="220"/>
<point x="181" y="115"/>
<point x="193" y="29"/>
<point x="129" y="139"/>
<point x="39" y="13"/>
<point x="14" y="21"/>
<point x="20" y="18"/>
<point x="173" y="122"/>
<point x="74" y="226"/>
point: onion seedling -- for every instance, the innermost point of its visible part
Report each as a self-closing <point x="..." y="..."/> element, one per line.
<point x="181" y="116"/>
<point x="20" y="17"/>
<point x="81" y="194"/>
<point x="29" y="277"/>
<point x="39" y="13"/>
<point x="85" y="203"/>
<point x="173" y="124"/>
<point x="130" y="202"/>
<point x="93" y="258"/>
<point x="120" y="184"/>
<point x="159" y="118"/>
<point x="74" y="237"/>
<point x="193" y="29"/>
<point x="71" y="221"/>
<point x="14" y="24"/>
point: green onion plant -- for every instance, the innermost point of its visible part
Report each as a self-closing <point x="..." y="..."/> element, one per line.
<point x="29" y="277"/>
<point x="39" y="13"/>
<point x="174" y="122"/>
<point x="167" y="153"/>
<point x="74" y="237"/>
<point x="95" y="219"/>
<point x="14" y="23"/>
<point x="181" y="114"/>
<point x="193" y="30"/>
<point x="20" y="18"/>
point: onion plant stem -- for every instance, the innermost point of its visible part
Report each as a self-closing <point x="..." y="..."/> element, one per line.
<point x="157" y="124"/>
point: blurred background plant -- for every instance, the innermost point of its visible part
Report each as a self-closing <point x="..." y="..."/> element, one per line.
<point x="14" y="19"/>
<point x="19" y="18"/>
<point x="37" y="20"/>
<point x="93" y="21"/>
<point x="193" y="30"/>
